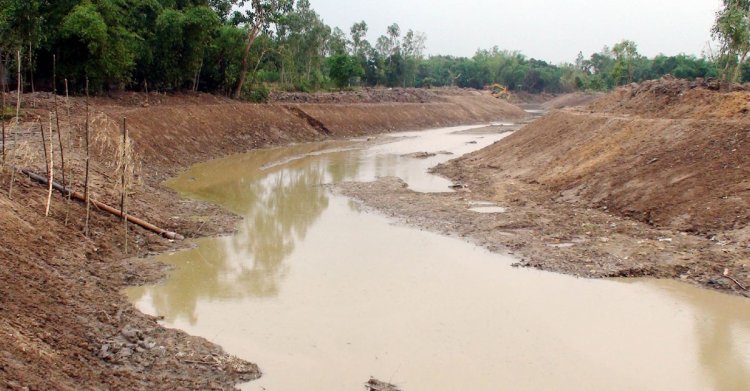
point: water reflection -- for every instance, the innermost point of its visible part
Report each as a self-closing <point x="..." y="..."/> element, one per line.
<point x="279" y="204"/>
<point x="302" y="256"/>
<point x="721" y="326"/>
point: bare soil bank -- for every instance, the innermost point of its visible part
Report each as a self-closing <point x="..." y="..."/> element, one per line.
<point x="651" y="180"/>
<point x="64" y="323"/>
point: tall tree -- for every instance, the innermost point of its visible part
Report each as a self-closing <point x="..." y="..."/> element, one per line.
<point x="626" y="54"/>
<point x="257" y="19"/>
<point x="732" y="30"/>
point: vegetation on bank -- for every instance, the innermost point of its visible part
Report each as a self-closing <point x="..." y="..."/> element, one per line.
<point x="240" y="47"/>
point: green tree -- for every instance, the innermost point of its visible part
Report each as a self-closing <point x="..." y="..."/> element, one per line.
<point x="257" y="19"/>
<point x="732" y="30"/>
<point x="97" y="44"/>
<point x="343" y="68"/>
<point x="626" y="55"/>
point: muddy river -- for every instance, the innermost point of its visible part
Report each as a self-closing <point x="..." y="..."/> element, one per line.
<point x="323" y="294"/>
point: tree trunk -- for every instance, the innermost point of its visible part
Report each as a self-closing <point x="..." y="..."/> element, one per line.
<point x="251" y="36"/>
<point x="738" y="69"/>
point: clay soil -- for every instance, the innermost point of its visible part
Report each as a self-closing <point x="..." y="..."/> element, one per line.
<point x="65" y="323"/>
<point x="651" y="180"/>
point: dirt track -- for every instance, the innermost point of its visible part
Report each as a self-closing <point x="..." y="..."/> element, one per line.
<point x="65" y="324"/>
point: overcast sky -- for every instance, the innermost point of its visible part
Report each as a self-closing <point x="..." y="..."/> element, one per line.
<point x="551" y="30"/>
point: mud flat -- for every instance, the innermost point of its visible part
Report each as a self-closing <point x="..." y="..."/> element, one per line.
<point x="65" y="323"/>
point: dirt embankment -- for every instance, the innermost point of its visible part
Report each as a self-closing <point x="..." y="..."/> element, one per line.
<point x="64" y="323"/>
<point x="180" y="131"/>
<point x="672" y="155"/>
<point x="651" y="180"/>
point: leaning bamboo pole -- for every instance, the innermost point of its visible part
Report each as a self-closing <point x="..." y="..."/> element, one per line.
<point x="3" y="125"/>
<point x="124" y="196"/>
<point x="57" y="120"/>
<point x="44" y="147"/>
<point x="18" y="114"/>
<point x="70" y="142"/>
<point x="59" y="132"/>
<point x="102" y="206"/>
<point x="87" y="191"/>
<point x="50" y="171"/>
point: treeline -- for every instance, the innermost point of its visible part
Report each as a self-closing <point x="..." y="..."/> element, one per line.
<point x="240" y="48"/>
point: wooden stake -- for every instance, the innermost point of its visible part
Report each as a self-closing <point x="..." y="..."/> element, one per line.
<point x="124" y="197"/>
<point x="3" y="119"/>
<point x="59" y="132"/>
<point x="57" y="120"/>
<point x="18" y="114"/>
<point x="31" y="67"/>
<point x="70" y="138"/>
<point x="50" y="171"/>
<point x="44" y="148"/>
<point x="87" y="193"/>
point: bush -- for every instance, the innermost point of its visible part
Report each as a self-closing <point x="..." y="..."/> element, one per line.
<point x="258" y="93"/>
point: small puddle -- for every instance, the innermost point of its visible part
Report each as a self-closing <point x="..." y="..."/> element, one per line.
<point x="489" y="209"/>
<point x="323" y="295"/>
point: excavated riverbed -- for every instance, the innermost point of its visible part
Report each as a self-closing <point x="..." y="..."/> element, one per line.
<point x="323" y="293"/>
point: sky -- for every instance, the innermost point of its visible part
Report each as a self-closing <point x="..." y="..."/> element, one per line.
<point x="550" y="30"/>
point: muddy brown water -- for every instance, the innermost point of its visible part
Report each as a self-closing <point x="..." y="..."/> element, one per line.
<point x="323" y="294"/>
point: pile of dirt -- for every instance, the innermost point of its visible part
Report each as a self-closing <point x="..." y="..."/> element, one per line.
<point x="372" y="95"/>
<point x="571" y="100"/>
<point x="679" y="99"/>
<point x="65" y="324"/>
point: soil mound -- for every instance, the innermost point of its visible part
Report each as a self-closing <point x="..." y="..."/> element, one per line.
<point x="571" y="100"/>
<point x="671" y="153"/>
<point x="679" y="99"/>
<point x="373" y="95"/>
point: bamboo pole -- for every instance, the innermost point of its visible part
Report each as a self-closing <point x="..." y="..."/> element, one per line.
<point x="18" y="114"/>
<point x="3" y="125"/>
<point x="57" y="119"/>
<point x="44" y="147"/>
<point x="31" y="67"/>
<point x="102" y="206"/>
<point x="70" y="144"/>
<point x="50" y="171"/>
<point x="124" y="196"/>
<point x="87" y="191"/>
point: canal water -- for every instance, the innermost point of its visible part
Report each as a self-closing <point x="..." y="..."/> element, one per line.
<point x="323" y="294"/>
